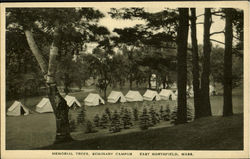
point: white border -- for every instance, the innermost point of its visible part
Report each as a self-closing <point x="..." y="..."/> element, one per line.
<point x="12" y="154"/>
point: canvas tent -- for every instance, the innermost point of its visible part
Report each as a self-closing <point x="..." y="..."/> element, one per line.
<point x="44" y="106"/>
<point x="17" y="109"/>
<point x="173" y="86"/>
<point x="167" y="94"/>
<point x="93" y="100"/>
<point x="150" y="95"/>
<point x="72" y="101"/>
<point x="211" y="90"/>
<point x="115" y="97"/>
<point x="133" y="96"/>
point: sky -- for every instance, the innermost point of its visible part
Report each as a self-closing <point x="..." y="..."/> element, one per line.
<point x="218" y="23"/>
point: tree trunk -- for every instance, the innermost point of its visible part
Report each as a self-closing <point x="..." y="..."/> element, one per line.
<point x="205" y="99"/>
<point x="121" y="84"/>
<point x="36" y="52"/>
<point x="228" y="106"/>
<point x="130" y="82"/>
<point x="195" y="61"/>
<point x="66" y="83"/>
<point x="149" y="81"/>
<point x="58" y="103"/>
<point x="182" y="37"/>
<point x="105" y="93"/>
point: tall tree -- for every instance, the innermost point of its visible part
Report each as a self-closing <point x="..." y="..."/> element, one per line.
<point x="206" y="106"/>
<point x="195" y="63"/>
<point x="51" y="22"/>
<point x="228" y="106"/>
<point x="182" y="37"/>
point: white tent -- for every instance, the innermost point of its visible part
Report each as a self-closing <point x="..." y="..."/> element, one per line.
<point x="116" y="96"/>
<point x="133" y="96"/>
<point x="17" y="109"/>
<point x="173" y="86"/>
<point x="211" y="90"/>
<point x="93" y="100"/>
<point x="167" y="94"/>
<point x="44" y="106"/>
<point x="151" y="95"/>
<point x="72" y="101"/>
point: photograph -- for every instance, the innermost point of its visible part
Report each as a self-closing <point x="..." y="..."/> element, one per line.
<point x="129" y="80"/>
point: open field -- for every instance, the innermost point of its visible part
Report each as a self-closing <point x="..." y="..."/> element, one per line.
<point x="38" y="130"/>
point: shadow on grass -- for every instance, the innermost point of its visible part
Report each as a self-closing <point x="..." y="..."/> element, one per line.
<point x="211" y="133"/>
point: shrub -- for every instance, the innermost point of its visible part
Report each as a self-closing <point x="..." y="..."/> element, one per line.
<point x="90" y="128"/>
<point x="115" y="123"/>
<point x="153" y="116"/>
<point x="104" y="121"/>
<point x="72" y="125"/>
<point x="126" y="118"/>
<point x="166" y="114"/>
<point x="81" y="116"/>
<point x="107" y="111"/>
<point x="135" y="113"/>
<point x="97" y="120"/>
<point x="144" y="119"/>
<point x="161" y="112"/>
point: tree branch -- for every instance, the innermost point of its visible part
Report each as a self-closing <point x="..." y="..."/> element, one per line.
<point x="219" y="15"/>
<point x="199" y="15"/>
<point x="237" y="38"/>
<point x="199" y="23"/>
<point x="235" y="51"/>
<point x="218" y="32"/>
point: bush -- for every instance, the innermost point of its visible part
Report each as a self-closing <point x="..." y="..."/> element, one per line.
<point x="81" y="116"/>
<point x="161" y="112"/>
<point x="115" y="123"/>
<point x="72" y="125"/>
<point x="97" y="120"/>
<point x="166" y="114"/>
<point x="144" y="120"/>
<point x="153" y="116"/>
<point x="135" y="113"/>
<point x="104" y="121"/>
<point x="107" y="111"/>
<point x="90" y="128"/>
<point x="126" y="118"/>
<point x="190" y="114"/>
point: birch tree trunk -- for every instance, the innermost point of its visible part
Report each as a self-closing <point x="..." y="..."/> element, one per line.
<point x="58" y="103"/>
<point x="228" y="106"/>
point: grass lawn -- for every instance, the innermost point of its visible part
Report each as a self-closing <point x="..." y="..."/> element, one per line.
<point x="211" y="133"/>
<point x="38" y="130"/>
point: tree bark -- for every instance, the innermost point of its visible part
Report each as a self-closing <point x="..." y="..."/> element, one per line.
<point x="36" y="52"/>
<point x="149" y="81"/>
<point x="130" y="82"/>
<point x="58" y="103"/>
<point x="182" y="37"/>
<point x="66" y="83"/>
<point x="228" y="106"/>
<point x="195" y="62"/>
<point x="206" y="107"/>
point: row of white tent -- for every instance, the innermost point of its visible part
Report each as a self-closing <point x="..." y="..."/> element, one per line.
<point x="44" y="106"/>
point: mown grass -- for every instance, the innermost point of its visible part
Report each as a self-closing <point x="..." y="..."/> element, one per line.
<point x="38" y="130"/>
<point x="211" y="133"/>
